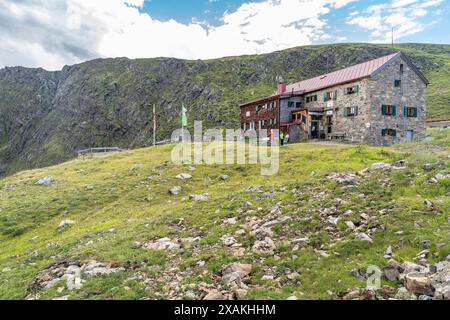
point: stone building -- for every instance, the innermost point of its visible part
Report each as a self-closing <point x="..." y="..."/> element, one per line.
<point x="379" y="102"/>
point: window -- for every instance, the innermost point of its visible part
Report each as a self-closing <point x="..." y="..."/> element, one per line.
<point x="389" y="133"/>
<point x="290" y="104"/>
<point x="311" y="99"/>
<point x="351" y="90"/>
<point x="397" y="83"/>
<point x="298" y="105"/>
<point x="331" y="95"/>
<point x="410" y="112"/>
<point x="351" y="111"/>
<point x="258" y="108"/>
<point x="401" y="68"/>
<point x="388" y="110"/>
<point x="247" y="114"/>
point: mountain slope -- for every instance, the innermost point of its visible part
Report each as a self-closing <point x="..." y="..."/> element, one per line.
<point x="303" y="232"/>
<point x="46" y="116"/>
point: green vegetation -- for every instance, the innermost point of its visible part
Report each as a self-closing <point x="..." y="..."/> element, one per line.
<point x="121" y="201"/>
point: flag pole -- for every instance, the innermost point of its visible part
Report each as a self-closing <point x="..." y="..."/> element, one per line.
<point x="182" y="113"/>
<point x="154" y="125"/>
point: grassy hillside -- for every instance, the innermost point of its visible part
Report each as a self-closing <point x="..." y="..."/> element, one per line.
<point x="46" y="116"/>
<point x="118" y="205"/>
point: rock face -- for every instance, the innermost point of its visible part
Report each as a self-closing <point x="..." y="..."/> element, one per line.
<point x="105" y="102"/>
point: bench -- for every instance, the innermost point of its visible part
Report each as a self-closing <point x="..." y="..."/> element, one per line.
<point x="338" y="136"/>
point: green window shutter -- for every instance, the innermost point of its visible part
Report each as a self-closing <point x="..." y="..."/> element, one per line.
<point x="325" y="97"/>
<point x="394" y="110"/>
<point x="405" y="111"/>
<point x="383" y="110"/>
<point x="415" y="112"/>
<point x="357" y="89"/>
<point x="394" y="132"/>
<point x="335" y="95"/>
<point x="384" y="132"/>
<point x="315" y="98"/>
<point x="345" y="91"/>
<point x="356" y="111"/>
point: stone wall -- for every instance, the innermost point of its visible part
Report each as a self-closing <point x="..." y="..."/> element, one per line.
<point x="411" y="93"/>
<point x="354" y="127"/>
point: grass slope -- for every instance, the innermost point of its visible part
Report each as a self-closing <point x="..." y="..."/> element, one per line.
<point x="113" y="192"/>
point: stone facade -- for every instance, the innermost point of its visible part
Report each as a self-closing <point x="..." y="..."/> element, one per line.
<point x="385" y="108"/>
<point x="411" y="93"/>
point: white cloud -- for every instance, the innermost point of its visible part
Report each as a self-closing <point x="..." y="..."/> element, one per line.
<point x="51" y="33"/>
<point x="402" y="15"/>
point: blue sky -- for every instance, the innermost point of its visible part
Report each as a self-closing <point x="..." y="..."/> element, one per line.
<point x="212" y="12"/>
<point x="54" y="33"/>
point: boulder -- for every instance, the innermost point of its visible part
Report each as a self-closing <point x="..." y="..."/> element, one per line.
<point x="175" y="190"/>
<point x="47" y="181"/>
<point x="184" y="176"/>
<point x="419" y="284"/>
<point x="214" y="295"/>
<point x="235" y="272"/>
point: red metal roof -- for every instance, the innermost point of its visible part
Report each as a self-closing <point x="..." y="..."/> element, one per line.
<point x="349" y="74"/>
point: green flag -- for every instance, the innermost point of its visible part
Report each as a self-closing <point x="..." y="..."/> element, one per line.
<point x="184" y="117"/>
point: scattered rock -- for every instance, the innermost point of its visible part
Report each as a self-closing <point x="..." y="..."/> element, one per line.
<point x="401" y="163"/>
<point x="231" y="221"/>
<point x="228" y="240"/>
<point x="224" y="177"/>
<point x="264" y="246"/>
<point x="385" y="167"/>
<point x="214" y="295"/>
<point x="426" y="244"/>
<point x="247" y="204"/>
<point x="391" y="273"/>
<point x="162" y="244"/>
<point x="292" y="298"/>
<point x="47" y="181"/>
<point x="350" y="225"/>
<point x="344" y="179"/>
<point x="184" y="176"/>
<point x="404" y="294"/>
<point x="175" y="190"/>
<point x="199" y="197"/>
<point x="276" y="221"/>
<point x="235" y="272"/>
<point x="364" y="237"/>
<point x="65" y="223"/>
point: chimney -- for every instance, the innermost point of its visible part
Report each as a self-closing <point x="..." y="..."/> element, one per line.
<point x="281" y="86"/>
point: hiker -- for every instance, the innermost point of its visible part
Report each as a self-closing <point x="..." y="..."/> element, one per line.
<point x="286" y="138"/>
<point x="270" y="136"/>
<point x="282" y="137"/>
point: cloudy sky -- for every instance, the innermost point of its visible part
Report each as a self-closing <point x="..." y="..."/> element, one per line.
<point x="54" y="33"/>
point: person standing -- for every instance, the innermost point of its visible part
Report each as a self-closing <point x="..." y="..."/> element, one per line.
<point x="282" y="137"/>
<point x="286" y="138"/>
